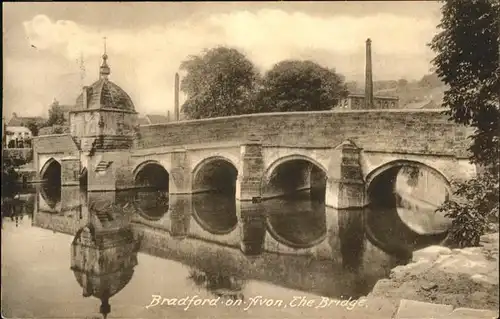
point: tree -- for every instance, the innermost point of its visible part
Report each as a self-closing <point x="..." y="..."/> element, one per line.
<point x="300" y="86"/>
<point x="467" y="61"/>
<point x="56" y="115"/>
<point x="34" y="127"/>
<point x="219" y="82"/>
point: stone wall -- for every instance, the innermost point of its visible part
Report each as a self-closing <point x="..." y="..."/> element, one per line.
<point x="401" y="131"/>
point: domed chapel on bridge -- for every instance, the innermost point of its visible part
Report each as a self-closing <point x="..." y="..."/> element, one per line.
<point x="107" y="150"/>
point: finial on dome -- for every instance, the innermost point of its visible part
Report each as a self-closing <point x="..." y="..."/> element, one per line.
<point x="105" y="70"/>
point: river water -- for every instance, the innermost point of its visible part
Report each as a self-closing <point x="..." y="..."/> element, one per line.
<point x="282" y="258"/>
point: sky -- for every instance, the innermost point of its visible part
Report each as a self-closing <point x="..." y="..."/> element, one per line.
<point x="44" y="43"/>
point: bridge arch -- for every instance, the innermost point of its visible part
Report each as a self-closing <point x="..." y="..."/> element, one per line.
<point x="151" y="174"/>
<point x="371" y="176"/>
<point x="300" y="175"/>
<point x="384" y="180"/>
<point x="215" y="173"/>
<point x="51" y="171"/>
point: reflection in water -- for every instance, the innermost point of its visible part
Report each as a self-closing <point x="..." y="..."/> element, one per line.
<point x="18" y="206"/>
<point x="352" y="238"/>
<point x="215" y="212"/>
<point x="387" y="231"/>
<point x="51" y="194"/>
<point x="297" y="222"/>
<point x="218" y="283"/>
<point x="415" y="192"/>
<point x="105" y="245"/>
<point x="103" y="257"/>
<point x="253" y="232"/>
<point x="152" y="205"/>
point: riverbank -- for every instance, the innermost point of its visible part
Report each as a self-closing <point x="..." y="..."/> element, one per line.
<point x="444" y="279"/>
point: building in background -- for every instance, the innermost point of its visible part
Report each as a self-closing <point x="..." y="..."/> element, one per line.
<point x="149" y="119"/>
<point x="17" y="132"/>
<point x="366" y="100"/>
<point x="17" y="137"/>
<point x="357" y="102"/>
<point x="25" y="120"/>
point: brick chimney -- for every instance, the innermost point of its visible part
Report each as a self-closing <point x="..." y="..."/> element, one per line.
<point x="176" y="97"/>
<point x="368" y="76"/>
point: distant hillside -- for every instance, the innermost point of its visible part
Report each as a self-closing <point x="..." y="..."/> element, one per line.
<point x="428" y="92"/>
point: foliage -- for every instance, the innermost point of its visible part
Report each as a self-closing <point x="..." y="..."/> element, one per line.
<point x="473" y="207"/>
<point x="34" y="126"/>
<point x="220" y="82"/>
<point x="56" y="115"/>
<point x="300" y="86"/>
<point x="467" y="61"/>
<point x="10" y="175"/>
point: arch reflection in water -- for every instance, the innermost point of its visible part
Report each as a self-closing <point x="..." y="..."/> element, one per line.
<point x="386" y="230"/>
<point x="51" y="195"/>
<point x="298" y="222"/>
<point x="151" y="205"/>
<point x="415" y="191"/>
<point x="103" y="257"/>
<point x="215" y="213"/>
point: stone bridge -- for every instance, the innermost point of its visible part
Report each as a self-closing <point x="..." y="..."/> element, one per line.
<point x="344" y="154"/>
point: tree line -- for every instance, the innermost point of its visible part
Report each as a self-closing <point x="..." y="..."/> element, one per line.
<point x="222" y="82"/>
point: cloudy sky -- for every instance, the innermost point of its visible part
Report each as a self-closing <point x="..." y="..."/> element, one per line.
<point x="146" y="42"/>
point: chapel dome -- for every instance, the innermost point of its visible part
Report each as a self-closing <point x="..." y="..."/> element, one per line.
<point x="104" y="94"/>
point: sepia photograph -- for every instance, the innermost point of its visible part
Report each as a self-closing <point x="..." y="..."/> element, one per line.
<point x="274" y="159"/>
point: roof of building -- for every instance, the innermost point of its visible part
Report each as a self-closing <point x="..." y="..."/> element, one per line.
<point x="104" y="94"/>
<point x="62" y="143"/>
<point x="143" y="121"/>
<point x="157" y="119"/>
<point x="24" y="120"/>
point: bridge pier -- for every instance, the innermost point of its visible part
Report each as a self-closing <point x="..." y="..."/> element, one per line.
<point x="70" y="171"/>
<point x="180" y="176"/>
<point x="345" y="186"/>
<point x="250" y="173"/>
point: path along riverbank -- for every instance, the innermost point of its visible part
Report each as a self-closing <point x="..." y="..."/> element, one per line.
<point x="442" y="283"/>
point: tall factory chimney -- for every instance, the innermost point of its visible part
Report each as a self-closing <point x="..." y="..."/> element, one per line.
<point x="176" y="114"/>
<point x="368" y="76"/>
